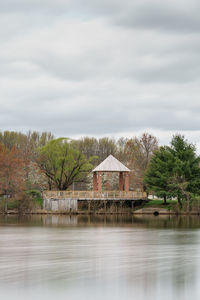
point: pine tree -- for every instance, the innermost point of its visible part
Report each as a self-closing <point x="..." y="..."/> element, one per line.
<point x="185" y="178"/>
<point x="158" y="173"/>
<point x="175" y="171"/>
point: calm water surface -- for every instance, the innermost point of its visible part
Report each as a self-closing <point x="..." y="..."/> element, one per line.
<point x="88" y="257"/>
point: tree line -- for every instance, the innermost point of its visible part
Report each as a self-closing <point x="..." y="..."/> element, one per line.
<point x="38" y="161"/>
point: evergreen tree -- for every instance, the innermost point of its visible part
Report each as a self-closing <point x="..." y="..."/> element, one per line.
<point x="158" y="173"/>
<point x="174" y="171"/>
<point x="185" y="178"/>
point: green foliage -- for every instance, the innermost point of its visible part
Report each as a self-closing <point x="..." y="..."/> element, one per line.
<point x="36" y="196"/>
<point x="174" y="171"/>
<point x="159" y="203"/>
<point x="63" y="163"/>
<point x="159" y="171"/>
<point x="24" y="201"/>
<point x="11" y="204"/>
<point x="186" y="170"/>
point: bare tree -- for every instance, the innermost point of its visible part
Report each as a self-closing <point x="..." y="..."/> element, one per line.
<point x="139" y="152"/>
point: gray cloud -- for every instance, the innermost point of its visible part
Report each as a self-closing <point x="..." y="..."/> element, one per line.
<point x="100" y="67"/>
<point x="178" y="15"/>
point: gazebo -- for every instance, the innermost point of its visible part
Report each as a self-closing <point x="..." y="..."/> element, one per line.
<point x="111" y="164"/>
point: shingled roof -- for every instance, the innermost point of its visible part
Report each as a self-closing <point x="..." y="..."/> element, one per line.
<point x="111" y="164"/>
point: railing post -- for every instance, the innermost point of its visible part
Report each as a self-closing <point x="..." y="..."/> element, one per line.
<point x="120" y="206"/>
<point x="132" y="205"/>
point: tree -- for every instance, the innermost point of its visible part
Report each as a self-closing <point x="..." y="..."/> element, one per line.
<point x="158" y="173"/>
<point x="63" y="163"/>
<point x="27" y="145"/>
<point x="174" y="171"/>
<point x="88" y="146"/>
<point x="185" y="178"/>
<point x="121" y="154"/>
<point x="11" y="172"/>
<point x="139" y="152"/>
<point x="106" y="147"/>
<point x="101" y="148"/>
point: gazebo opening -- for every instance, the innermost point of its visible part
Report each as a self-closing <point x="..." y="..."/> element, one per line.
<point x="111" y="165"/>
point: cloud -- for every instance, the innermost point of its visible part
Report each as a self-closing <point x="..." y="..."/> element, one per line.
<point x="178" y="15"/>
<point x="100" y="68"/>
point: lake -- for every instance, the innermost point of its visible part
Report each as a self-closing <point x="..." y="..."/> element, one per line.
<point x="99" y="257"/>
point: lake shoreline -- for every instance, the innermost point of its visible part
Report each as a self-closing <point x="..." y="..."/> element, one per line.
<point x="155" y="212"/>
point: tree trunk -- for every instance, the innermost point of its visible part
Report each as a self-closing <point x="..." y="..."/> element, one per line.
<point x="188" y="203"/>
<point x="179" y="202"/>
<point x="6" y="205"/>
<point x="49" y="184"/>
<point x="165" y="200"/>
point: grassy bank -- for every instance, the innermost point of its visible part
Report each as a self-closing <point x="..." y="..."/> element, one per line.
<point x="26" y="201"/>
<point x="159" y="203"/>
<point x="173" y="206"/>
<point x="31" y="202"/>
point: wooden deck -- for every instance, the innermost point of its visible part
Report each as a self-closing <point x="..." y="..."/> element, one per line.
<point x="92" y="195"/>
<point x="72" y="201"/>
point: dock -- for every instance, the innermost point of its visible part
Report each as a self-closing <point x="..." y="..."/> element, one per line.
<point x="72" y="201"/>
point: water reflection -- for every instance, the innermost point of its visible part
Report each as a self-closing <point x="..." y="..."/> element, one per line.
<point x="144" y="221"/>
<point x="95" y="257"/>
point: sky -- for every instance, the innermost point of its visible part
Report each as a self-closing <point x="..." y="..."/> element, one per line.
<point x="101" y="68"/>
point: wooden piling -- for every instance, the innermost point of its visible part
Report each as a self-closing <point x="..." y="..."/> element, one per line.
<point x="105" y="206"/>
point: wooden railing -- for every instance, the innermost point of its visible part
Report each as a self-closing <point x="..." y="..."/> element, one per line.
<point x="94" y="195"/>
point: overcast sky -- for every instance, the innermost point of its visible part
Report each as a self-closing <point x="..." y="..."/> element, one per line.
<point x="100" y="68"/>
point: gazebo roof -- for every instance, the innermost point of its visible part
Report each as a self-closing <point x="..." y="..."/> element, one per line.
<point x="111" y="164"/>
